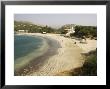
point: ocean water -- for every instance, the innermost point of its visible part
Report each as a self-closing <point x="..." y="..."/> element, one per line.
<point x="27" y="48"/>
<point x="23" y="45"/>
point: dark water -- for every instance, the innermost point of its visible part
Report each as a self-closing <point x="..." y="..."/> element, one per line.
<point x="23" y="45"/>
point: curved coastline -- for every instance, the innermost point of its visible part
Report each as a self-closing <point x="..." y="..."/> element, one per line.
<point x="25" y="45"/>
<point x="68" y="57"/>
<point x="49" y="49"/>
<point x="62" y="55"/>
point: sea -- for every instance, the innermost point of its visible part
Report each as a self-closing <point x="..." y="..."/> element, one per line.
<point x="27" y="48"/>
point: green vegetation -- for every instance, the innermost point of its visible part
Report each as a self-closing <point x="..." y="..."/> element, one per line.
<point x="89" y="67"/>
<point x="32" y="28"/>
<point x="80" y="31"/>
<point x="87" y="31"/>
<point x="61" y="30"/>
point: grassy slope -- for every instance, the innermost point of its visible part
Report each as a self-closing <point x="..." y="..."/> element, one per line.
<point x="89" y="67"/>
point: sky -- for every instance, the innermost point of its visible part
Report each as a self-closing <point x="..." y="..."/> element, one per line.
<point x="58" y="20"/>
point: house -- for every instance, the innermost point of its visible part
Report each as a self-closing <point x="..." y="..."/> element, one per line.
<point x="23" y="31"/>
<point x="43" y="32"/>
<point x="70" y="30"/>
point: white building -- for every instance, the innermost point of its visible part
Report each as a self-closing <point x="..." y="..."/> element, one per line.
<point x="70" y="30"/>
<point x="23" y="31"/>
<point x="44" y="32"/>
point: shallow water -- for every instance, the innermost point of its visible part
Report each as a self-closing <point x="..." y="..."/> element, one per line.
<point x="23" y="45"/>
<point x="27" y="48"/>
<point x="37" y="57"/>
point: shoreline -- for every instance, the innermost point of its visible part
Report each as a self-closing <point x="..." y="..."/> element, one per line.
<point x="67" y="56"/>
<point x="27" y="69"/>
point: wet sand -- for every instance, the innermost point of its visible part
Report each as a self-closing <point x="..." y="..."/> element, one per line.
<point x="36" y="63"/>
<point x="62" y="55"/>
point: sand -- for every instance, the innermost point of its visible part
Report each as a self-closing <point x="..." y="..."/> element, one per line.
<point x="68" y="55"/>
<point x="86" y="47"/>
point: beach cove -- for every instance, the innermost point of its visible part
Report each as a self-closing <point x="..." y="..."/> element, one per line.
<point x="62" y="55"/>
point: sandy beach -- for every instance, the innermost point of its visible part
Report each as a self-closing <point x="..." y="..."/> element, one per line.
<point x="68" y="55"/>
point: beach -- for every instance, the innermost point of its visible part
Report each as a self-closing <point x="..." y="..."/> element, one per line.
<point x="63" y="55"/>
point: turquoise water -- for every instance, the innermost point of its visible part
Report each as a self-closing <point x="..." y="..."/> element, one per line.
<point x="28" y="48"/>
<point x="31" y="51"/>
<point x="24" y="45"/>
